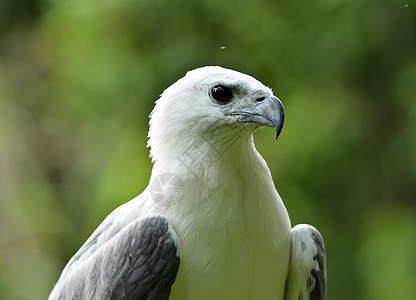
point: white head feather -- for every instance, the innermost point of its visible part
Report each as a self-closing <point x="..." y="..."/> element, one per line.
<point x="186" y="110"/>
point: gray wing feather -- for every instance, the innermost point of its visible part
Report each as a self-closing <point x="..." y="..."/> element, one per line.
<point x="139" y="262"/>
<point x="307" y="268"/>
<point x="317" y="276"/>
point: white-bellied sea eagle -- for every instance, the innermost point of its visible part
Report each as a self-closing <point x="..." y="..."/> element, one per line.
<point x="210" y="224"/>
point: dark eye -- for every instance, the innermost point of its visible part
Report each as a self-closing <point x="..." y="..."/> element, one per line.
<point x="221" y="93"/>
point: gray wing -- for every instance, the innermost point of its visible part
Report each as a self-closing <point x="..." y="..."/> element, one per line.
<point x="317" y="276"/>
<point x="307" y="268"/>
<point x="139" y="262"/>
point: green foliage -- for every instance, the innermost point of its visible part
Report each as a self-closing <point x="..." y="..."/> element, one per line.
<point x="78" y="80"/>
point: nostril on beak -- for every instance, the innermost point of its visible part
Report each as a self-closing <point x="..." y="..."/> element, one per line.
<point x="260" y="99"/>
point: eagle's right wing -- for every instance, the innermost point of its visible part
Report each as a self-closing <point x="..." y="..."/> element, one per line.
<point x="138" y="262"/>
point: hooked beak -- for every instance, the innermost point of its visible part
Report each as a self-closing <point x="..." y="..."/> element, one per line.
<point x="267" y="111"/>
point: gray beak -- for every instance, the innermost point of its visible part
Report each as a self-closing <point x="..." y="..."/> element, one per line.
<point x="267" y="111"/>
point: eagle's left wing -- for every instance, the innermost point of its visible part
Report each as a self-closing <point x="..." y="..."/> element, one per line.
<point x="307" y="268"/>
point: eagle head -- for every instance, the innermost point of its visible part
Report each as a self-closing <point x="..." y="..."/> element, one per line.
<point x="208" y="99"/>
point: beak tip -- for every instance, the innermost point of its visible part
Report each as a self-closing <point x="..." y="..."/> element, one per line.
<point x="278" y="131"/>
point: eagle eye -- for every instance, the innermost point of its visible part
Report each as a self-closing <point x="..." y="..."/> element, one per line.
<point x="221" y="93"/>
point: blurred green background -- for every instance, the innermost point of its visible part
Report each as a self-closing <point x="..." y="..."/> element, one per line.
<point x="78" y="80"/>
